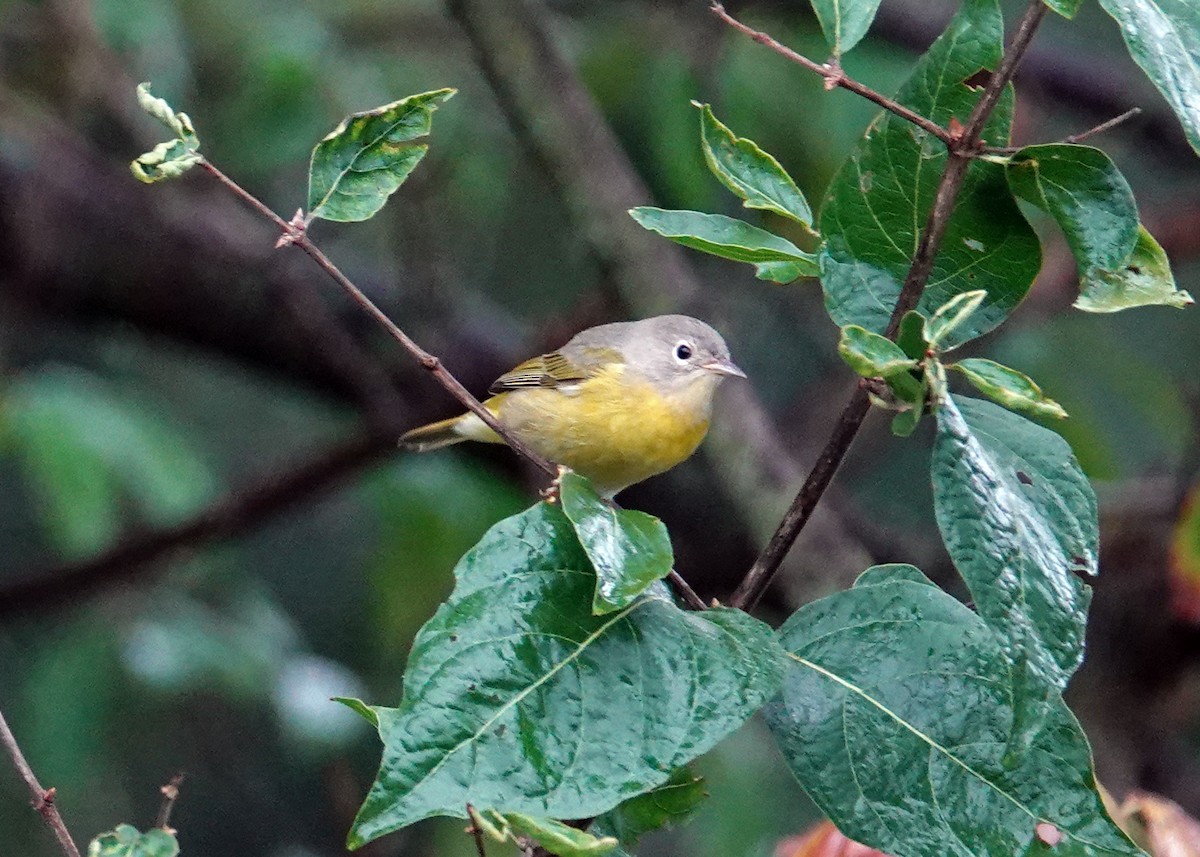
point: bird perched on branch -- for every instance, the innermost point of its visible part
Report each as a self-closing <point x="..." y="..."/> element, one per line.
<point x="619" y="403"/>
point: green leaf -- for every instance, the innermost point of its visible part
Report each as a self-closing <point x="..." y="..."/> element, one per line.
<point x="723" y="236"/>
<point x="360" y="708"/>
<point x="90" y="454"/>
<point x="1066" y="8"/>
<point x="1163" y="37"/>
<point x="905" y="722"/>
<point x="368" y="156"/>
<point x="1143" y="279"/>
<point x="905" y="422"/>
<point x="515" y="686"/>
<point x="170" y="159"/>
<point x="559" y="838"/>
<point x="178" y="124"/>
<point x="845" y="22"/>
<point x="1008" y="387"/>
<point x="1082" y="189"/>
<point x="878" y="202"/>
<point x="126" y="841"/>
<point x="749" y="172"/>
<point x="1019" y="520"/>
<point x="872" y="355"/>
<point x="670" y="804"/>
<point x="910" y="336"/>
<point x="629" y="550"/>
<point x="784" y="272"/>
<point x="951" y="315"/>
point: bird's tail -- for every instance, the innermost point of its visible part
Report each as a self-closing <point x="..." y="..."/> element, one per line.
<point x="434" y="436"/>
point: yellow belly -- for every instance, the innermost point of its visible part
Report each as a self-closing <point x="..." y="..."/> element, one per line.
<point x="611" y="430"/>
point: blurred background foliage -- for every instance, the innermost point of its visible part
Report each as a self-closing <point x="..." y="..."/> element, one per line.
<point x="166" y="372"/>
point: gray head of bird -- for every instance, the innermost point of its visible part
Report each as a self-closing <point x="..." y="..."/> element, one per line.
<point x="677" y="351"/>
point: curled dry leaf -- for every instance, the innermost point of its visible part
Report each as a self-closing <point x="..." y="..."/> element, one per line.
<point x="1159" y="826"/>
<point x="823" y="840"/>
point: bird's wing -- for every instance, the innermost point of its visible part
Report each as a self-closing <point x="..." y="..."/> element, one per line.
<point x="555" y="369"/>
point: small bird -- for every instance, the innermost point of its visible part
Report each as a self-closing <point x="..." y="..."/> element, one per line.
<point x="619" y="403"/>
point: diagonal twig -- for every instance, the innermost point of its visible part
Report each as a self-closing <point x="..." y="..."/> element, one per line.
<point x="834" y="76"/>
<point x="294" y="233"/>
<point x="962" y="150"/>
<point x="41" y="799"/>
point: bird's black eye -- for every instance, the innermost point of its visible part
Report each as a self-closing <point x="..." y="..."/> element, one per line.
<point x="683" y="351"/>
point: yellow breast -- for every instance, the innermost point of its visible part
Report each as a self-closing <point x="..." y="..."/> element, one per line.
<point x="615" y="428"/>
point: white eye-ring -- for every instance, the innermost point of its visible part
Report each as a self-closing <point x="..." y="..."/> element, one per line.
<point x="683" y="351"/>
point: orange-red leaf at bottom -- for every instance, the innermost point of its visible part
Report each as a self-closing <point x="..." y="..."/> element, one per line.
<point x="1159" y="826"/>
<point x="823" y="840"/>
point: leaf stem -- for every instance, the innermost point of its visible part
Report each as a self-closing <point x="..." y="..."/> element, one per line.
<point x="42" y="799"/>
<point x="963" y="148"/>
<point x="294" y="233"/>
<point x="1106" y="125"/>
<point x="834" y="75"/>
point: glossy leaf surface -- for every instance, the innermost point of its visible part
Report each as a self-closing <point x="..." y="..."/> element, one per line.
<point x="748" y="171"/>
<point x="1008" y="387"/>
<point x="1019" y="520"/>
<point x="1163" y="37"/>
<point x="368" y="156"/>
<point x="629" y="550"/>
<point x="845" y="22"/>
<point x="903" y="719"/>
<point x="1082" y="189"/>
<point x="519" y="699"/>
<point x="1143" y="279"/>
<point x="878" y="202"/>
<point x="872" y="355"/>
<point x="726" y="237"/>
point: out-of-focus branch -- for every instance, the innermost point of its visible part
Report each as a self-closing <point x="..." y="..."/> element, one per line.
<point x="237" y="513"/>
<point x="556" y="119"/>
<point x="961" y="152"/>
<point x="41" y="799"/>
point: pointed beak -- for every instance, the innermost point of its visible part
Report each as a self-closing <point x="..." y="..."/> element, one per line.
<point x="724" y="367"/>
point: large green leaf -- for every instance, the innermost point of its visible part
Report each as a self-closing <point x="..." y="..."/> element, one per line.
<point x="748" y="171"/>
<point x="1143" y="279"/>
<point x="519" y="699"/>
<point x="845" y="22"/>
<point x="1082" y="189"/>
<point x="878" y="202"/>
<point x="904" y="720"/>
<point x="368" y="156"/>
<point x="1019" y="520"/>
<point x="629" y="550"/>
<point x="1163" y="37"/>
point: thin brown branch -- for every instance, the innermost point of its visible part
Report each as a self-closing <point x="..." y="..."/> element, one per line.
<point x="294" y="233"/>
<point x="834" y="76"/>
<point x="1107" y="125"/>
<point x="170" y="793"/>
<point x="685" y="590"/>
<point x="962" y="150"/>
<point x="41" y="799"/>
